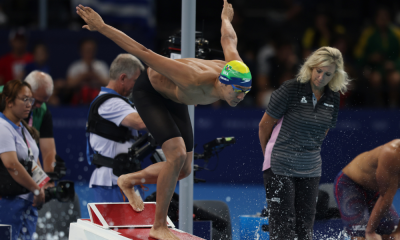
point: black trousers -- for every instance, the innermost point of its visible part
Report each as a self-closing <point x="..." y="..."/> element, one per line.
<point x="291" y="205"/>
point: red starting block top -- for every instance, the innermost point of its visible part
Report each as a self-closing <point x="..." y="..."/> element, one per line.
<point x="143" y="234"/>
<point x="123" y="233"/>
<point x="118" y="221"/>
<point x="122" y="215"/>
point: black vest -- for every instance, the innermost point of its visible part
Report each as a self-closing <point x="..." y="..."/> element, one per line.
<point x="104" y="128"/>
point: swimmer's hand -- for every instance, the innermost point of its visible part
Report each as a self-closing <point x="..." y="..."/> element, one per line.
<point x="93" y="20"/>
<point x="227" y="11"/>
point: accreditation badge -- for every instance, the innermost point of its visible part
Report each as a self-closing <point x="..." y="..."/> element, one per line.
<point x="38" y="175"/>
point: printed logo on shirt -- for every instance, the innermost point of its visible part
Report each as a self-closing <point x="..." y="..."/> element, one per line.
<point x="303" y="100"/>
<point x="358" y="228"/>
<point x="278" y="200"/>
<point x="328" y="105"/>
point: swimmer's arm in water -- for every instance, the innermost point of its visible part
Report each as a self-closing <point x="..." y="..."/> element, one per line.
<point x="180" y="73"/>
<point x="228" y="34"/>
<point x="387" y="176"/>
<point x="265" y="129"/>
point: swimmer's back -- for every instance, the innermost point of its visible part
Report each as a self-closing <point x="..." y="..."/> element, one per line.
<point x="197" y="92"/>
<point x="362" y="169"/>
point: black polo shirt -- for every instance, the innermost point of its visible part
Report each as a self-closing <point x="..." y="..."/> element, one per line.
<point x="295" y="144"/>
<point x="46" y="128"/>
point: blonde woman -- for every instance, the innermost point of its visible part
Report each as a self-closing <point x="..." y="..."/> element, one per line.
<point x="302" y="111"/>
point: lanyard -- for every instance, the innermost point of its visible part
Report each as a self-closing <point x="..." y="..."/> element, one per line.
<point x="30" y="154"/>
<point x="30" y="122"/>
<point x="108" y="90"/>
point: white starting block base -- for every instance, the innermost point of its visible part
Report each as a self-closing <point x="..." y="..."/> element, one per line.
<point x="118" y="221"/>
<point x="5" y="232"/>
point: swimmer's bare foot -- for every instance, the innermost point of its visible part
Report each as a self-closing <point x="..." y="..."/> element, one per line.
<point x="162" y="233"/>
<point x="128" y="188"/>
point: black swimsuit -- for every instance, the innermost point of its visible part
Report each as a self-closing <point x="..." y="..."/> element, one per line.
<point x="164" y="118"/>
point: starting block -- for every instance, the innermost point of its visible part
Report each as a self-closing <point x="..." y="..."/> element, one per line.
<point x="118" y="221"/>
<point x="5" y="232"/>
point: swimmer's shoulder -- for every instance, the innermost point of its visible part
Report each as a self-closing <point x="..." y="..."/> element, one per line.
<point x="389" y="156"/>
<point x="386" y="151"/>
<point x="392" y="148"/>
<point x="395" y="143"/>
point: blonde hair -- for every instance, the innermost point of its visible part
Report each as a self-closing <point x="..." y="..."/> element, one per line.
<point x="323" y="57"/>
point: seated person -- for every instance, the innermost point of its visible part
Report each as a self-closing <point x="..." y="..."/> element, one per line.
<point x="40" y="56"/>
<point x="375" y="56"/>
<point x="86" y="76"/>
<point x="13" y="63"/>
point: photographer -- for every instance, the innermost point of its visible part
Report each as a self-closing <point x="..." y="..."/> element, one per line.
<point x="17" y="145"/>
<point x="110" y="114"/>
<point x="40" y="117"/>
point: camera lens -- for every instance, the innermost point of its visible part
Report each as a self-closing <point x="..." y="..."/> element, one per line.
<point x="64" y="192"/>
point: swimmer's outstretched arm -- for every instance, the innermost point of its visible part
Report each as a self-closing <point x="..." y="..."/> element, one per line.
<point x="228" y="34"/>
<point x="181" y="74"/>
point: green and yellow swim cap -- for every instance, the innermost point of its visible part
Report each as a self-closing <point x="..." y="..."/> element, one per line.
<point x="237" y="73"/>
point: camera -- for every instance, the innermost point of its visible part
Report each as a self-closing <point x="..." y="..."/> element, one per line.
<point x="211" y="149"/>
<point x="145" y="144"/>
<point x="63" y="191"/>
<point x="202" y="49"/>
<point x="214" y="147"/>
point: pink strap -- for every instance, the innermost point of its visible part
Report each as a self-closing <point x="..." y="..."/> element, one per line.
<point x="27" y="143"/>
<point x="26" y="140"/>
<point x="30" y="121"/>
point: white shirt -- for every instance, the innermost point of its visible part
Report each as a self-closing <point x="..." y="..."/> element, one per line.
<point x="12" y="140"/>
<point x="114" y="110"/>
<point x="79" y="67"/>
